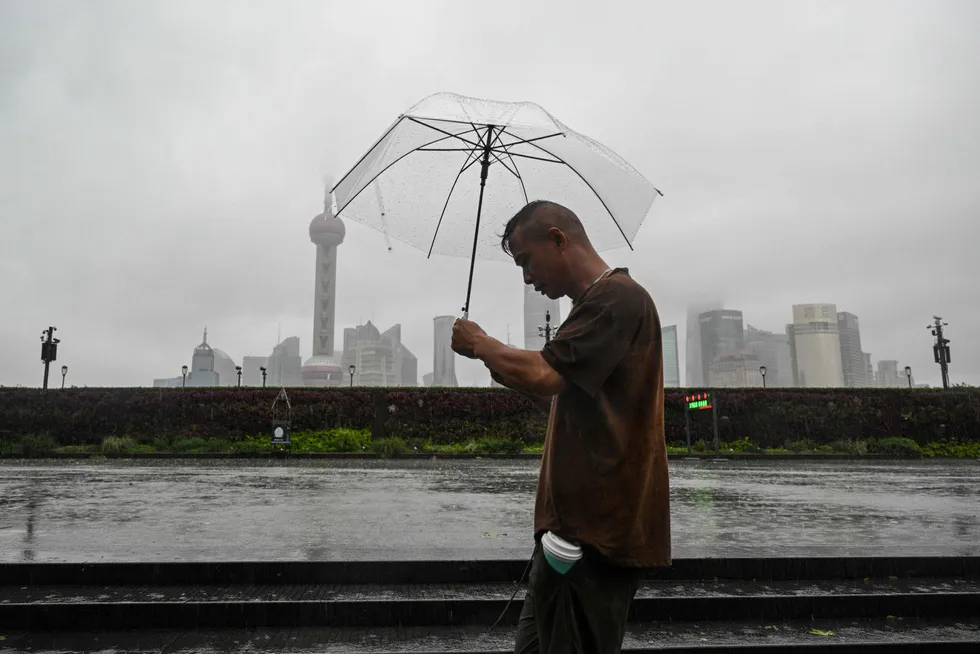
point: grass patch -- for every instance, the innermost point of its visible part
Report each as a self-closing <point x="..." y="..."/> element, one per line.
<point x="36" y="446"/>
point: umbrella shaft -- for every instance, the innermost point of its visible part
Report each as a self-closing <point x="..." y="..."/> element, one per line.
<point x="484" y="169"/>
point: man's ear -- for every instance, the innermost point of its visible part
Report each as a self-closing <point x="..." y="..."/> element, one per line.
<point x="558" y="237"/>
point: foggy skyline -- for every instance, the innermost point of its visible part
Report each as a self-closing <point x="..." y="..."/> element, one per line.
<point x="161" y="163"/>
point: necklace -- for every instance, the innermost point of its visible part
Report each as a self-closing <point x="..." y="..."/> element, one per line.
<point x="598" y="279"/>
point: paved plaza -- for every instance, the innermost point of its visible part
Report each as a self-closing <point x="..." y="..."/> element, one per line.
<point x="329" y="510"/>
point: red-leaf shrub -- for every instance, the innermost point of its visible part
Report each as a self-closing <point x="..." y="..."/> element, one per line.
<point x="767" y="417"/>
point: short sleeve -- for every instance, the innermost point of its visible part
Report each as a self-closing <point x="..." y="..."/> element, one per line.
<point x="596" y="336"/>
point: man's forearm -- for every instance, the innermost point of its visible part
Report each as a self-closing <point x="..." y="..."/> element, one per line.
<point x="522" y="370"/>
<point x="541" y="401"/>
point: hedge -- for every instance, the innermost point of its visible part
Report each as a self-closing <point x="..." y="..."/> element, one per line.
<point x="767" y="417"/>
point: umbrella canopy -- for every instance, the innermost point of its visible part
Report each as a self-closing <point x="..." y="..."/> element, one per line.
<point x="452" y="162"/>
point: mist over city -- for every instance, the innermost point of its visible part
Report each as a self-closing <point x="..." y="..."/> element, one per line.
<point x="163" y="163"/>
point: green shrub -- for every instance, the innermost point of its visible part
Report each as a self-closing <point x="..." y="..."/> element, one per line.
<point x="741" y="445"/>
<point x="118" y="445"/>
<point x="844" y="446"/>
<point x="78" y="449"/>
<point x="797" y="447"/>
<point x="198" y="444"/>
<point x="37" y="446"/>
<point x="896" y="447"/>
<point x="389" y="447"/>
<point x="952" y="447"/>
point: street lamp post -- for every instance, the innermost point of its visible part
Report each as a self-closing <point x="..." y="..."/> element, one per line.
<point x="351" y="368"/>
<point x="940" y="349"/>
<point x="762" y="371"/>
<point x="238" y="369"/>
<point x="546" y="330"/>
<point x="908" y="373"/>
<point x="49" y="350"/>
<point x="64" y="372"/>
<point x="183" y="372"/>
<point x="262" y="368"/>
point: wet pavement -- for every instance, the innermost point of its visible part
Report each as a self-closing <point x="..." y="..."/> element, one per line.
<point x="451" y="509"/>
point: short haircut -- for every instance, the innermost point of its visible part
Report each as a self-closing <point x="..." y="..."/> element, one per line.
<point x="558" y="216"/>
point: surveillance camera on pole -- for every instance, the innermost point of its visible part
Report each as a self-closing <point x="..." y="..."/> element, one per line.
<point x="940" y="349"/>
<point x="49" y="350"/>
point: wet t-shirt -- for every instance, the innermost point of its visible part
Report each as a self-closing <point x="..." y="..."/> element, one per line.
<point x="603" y="477"/>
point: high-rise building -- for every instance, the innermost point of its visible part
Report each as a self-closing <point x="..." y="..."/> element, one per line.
<point x="791" y="338"/>
<point x="672" y="366"/>
<point x="536" y="306"/>
<point x="285" y="365"/>
<point x="721" y="333"/>
<point x="851" y="355"/>
<point x="773" y="352"/>
<point x="869" y="369"/>
<point x="327" y="231"/>
<point x="202" y="365"/>
<point x="251" y="370"/>
<point x="226" y="368"/>
<point x="735" y="370"/>
<point x="891" y="375"/>
<point x="693" y="365"/>
<point x="443" y="357"/>
<point x="817" y="343"/>
<point x="379" y="359"/>
<point x="427" y="379"/>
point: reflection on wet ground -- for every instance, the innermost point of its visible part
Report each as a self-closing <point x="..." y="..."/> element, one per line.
<point x="357" y="510"/>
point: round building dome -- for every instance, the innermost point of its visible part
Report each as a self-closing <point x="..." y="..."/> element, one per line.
<point x="327" y="228"/>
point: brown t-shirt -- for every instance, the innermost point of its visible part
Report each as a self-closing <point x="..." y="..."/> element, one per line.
<point x="603" y="479"/>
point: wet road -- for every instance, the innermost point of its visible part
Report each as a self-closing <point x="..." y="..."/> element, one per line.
<point x="357" y="510"/>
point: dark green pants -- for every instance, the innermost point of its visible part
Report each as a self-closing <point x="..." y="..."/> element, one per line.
<point x="583" y="611"/>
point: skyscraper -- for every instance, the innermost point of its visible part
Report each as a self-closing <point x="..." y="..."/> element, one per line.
<point x="536" y="306"/>
<point x="693" y="366"/>
<point x="734" y="370"/>
<point x="773" y="352"/>
<point x="721" y="333"/>
<point x="379" y="359"/>
<point x="672" y="367"/>
<point x="285" y="365"/>
<point x="443" y="357"/>
<point x="816" y="338"/>
<point x="869" y="369"/>
<point x="327" y="231"/>
<point x="851" y="356"/>
<point x="202" y="365"/>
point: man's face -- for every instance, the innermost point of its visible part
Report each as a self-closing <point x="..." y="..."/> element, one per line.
<point x="540" y="260"/>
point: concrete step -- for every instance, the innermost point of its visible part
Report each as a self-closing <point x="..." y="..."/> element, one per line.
<point x="457" y="571"/>
<point x="745" y="637"/>
<point x="426" y="605"/>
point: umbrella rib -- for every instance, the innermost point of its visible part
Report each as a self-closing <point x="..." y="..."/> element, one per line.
<point x="364" y="156"/>
<point x="450" y="134"/>
<point x="528" y="156"/>
<point x="384" y="170"/>
<point x="517" y="174"/>
<point x="519" y="140"/>
<point x="470" y="160"/>
<point x="591" y="188"/>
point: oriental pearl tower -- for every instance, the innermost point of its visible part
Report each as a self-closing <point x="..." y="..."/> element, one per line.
<point x="327" y="231"/>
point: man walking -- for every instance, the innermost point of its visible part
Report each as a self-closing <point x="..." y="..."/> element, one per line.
<point x="602" y="513"/>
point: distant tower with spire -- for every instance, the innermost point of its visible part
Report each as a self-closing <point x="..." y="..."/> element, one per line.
<point x="327" y="231"/>
<point x="202" y="365"/>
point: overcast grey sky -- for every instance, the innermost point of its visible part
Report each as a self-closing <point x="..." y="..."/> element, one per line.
<point x="160" y="162"/>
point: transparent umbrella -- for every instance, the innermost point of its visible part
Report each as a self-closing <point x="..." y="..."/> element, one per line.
<point x="452" y="161"/>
